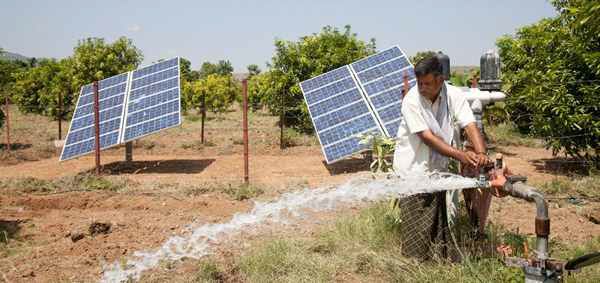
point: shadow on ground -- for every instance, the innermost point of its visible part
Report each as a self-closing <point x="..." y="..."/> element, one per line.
<point x="16" y="146"/>
<point x="347" y="166"/>
<point x="9" y="229"/>
<point x="177" y="166"/>
<point x="564" y="166"/>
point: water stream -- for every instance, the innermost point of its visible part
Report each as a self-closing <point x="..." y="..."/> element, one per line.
<point x="199" y="240"/>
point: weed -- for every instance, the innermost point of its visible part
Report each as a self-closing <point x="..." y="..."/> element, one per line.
<point x="507" y="134"/>
<point x="209" y="272"/>
<point x="243" y="192"/>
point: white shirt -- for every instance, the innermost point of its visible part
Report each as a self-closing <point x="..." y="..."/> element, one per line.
<point x="411" y="152"/>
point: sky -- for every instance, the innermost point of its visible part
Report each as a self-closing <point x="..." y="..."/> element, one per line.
<point x="244" y="31"/>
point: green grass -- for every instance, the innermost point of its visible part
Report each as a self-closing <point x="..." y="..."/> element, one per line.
<point x="586" y="187"/>
<point x="243" y="192"/>
<point x="366" y="247"/>
<point x="82" y="182"/>
<point x="506" y="134"/>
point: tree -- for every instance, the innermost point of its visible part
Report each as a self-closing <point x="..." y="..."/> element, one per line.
<point x="223" y="67"/>
<point x="187" y="77"/>
<point x="35" y="90"/>
<point x="219" y="92"/>
<point x="415" y="59"/>
<point x="551" y="71"/>
<point x="253" y="70"/>
<point x="94" y="59"/>
<point x="296" y="61"/>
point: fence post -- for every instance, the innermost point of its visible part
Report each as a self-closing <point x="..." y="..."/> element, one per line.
<point x="203" y="114"/>
<point x="245" y="127"/>
<point x="281" y="122"/>
<point x="7" y="125"/>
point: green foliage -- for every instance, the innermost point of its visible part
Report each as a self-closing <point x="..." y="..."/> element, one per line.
<point x="36" y="90"/>
<point x="94" y="59"/>
<point x="507" y="134"/>
<point x="551" y="70"/>
<point x="415" y="59"/>
<point x="382" y="147"/>
<point x="219" y="92"/>
<point x="187" y="77"/>
<point x="243" y="192"/>
<point x="253" y="70"/>
<point x="209" y="272"/>
<point x="296" y="61"/>
<point x="223" y="68"/>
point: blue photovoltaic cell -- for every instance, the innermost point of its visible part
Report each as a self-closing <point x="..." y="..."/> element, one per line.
<point x="111" y="98"/>
<point x="365" y="96"/>
<point x="339" y="112"/>
<point x="382" y="79"/>
<point x="154" y="100"/>
<point x="152" y="96"/>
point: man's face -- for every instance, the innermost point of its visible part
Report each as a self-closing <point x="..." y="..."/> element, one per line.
<point x="430" y="85"/>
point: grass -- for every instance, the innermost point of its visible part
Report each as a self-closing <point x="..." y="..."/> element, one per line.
<point x="291" y="137"/>
<point x="366" y="247"/>
<point x="209" y="271"/>
<point x="506" y="134"/>
<point x="81" y="182"/>
<point x="585" y="187"/>
<point x="243" y="192"/>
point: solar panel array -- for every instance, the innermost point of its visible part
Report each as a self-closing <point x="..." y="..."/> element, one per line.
<point x="131" y="105"/>
<point x="363" y="97"/>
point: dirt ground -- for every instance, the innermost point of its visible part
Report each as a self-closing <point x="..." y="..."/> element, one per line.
<point x="41" y="226"/>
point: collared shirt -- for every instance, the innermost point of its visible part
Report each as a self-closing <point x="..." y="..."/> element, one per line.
<point x="411" y="152"/>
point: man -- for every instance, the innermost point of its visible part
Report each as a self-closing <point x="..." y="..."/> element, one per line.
<point x="431" y="111"/>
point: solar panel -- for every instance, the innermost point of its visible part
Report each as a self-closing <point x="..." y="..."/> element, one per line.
<point x="363" y="97"/>
<point x="80" y="139"/>
<point x="339" y="112"/>
<point x="153" y="103"/>
<point x="381" y="77"/>
<point x="132" y="105"/>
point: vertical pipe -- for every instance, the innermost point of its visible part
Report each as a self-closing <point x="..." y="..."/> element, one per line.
<point x="97" y="126"/>
<point x="7" y="125"/>
<point x="59" y="116"/>
<point x="245" y="126"/>
<point x="203" y="117"/>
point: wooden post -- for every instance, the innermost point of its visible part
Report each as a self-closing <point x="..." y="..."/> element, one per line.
<point x="203" y="114"/>
<point x="129" y="151"/>
<point x="8" y="147"/>
<point x="97" y="126"/>
<point x="245" y="127"/>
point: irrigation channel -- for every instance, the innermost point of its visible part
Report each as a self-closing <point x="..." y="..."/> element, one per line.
<point x="198" y="241"/>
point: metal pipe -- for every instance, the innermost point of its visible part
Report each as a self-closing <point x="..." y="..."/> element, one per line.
<point x="97" y="126"/>
<point x="7" y="125"/>
<point x="542" y="222"/>
<point x="245" y="127"/>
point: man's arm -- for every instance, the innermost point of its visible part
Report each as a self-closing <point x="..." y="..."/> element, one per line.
<point x="476" y="140"/>
<point x="442" y="147"/>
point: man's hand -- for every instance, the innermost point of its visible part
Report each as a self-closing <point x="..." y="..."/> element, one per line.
<point x="469" y="158"/>
<point x="497" y="181"/>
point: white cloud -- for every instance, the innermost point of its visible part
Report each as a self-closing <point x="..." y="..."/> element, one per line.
<point x="135" y="28"/>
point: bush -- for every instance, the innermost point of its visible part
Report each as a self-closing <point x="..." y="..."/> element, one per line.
<point x="296" y="61"/>
<point x="551" y="71"/>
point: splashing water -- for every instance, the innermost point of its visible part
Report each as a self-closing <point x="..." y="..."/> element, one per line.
<point x="358" y="190"/>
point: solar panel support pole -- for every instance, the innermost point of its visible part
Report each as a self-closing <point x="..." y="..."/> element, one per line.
<point x="245" y="127"/>
<point x="203" y="114"/>
<point x="129" y="151"/>
<point x="282" y="122"/>
<point x="59" y="114"/>
<point x="7" y="125"/>
<point x="97" y="126"/>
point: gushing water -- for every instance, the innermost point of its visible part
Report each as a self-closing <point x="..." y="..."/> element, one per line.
<point x="358" y="190"/>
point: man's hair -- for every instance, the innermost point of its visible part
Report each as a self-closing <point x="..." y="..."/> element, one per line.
<point x="429" y="65"/>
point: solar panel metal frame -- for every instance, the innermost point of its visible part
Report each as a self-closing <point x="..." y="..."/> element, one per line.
<point x="362" y="98"/>
<point x="121" y="130"/>
<point x="124" y="125"/>
<point x="374" y="111"/>
<point x="81" y="94"/>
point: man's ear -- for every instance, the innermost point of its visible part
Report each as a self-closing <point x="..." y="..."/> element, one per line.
<point x="439" y="79"/>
